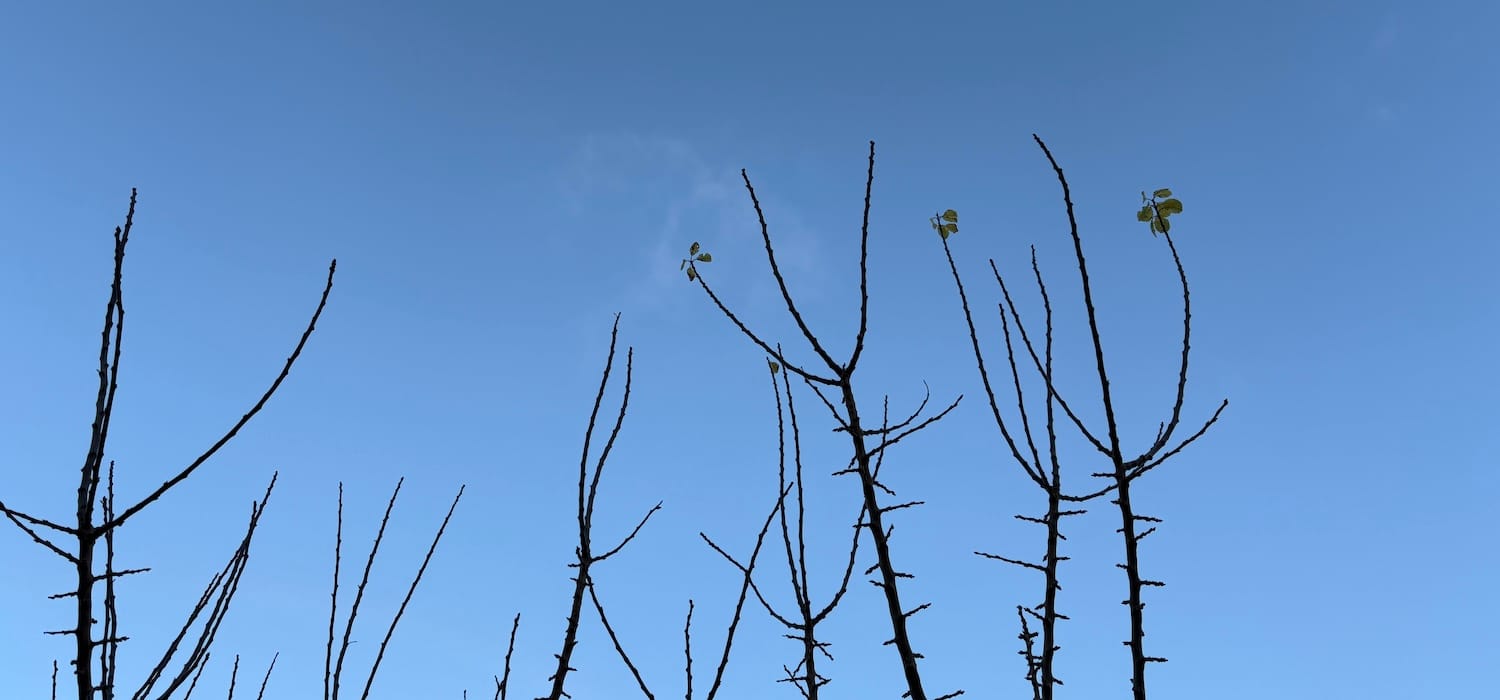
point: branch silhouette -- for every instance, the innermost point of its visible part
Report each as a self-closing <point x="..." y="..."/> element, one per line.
<point x="1046" y="474"/>
<point x="864" y="456"/>
<point x="87" y="534"/>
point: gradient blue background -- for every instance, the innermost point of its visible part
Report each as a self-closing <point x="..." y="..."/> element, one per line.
<point x="497" y="180"/>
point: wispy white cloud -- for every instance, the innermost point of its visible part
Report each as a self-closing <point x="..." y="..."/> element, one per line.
<point x="1387" y="32"/>
<point x="1385" y="114"/>
<point x="685" y="198"/>
<point x="1384" y="41"/>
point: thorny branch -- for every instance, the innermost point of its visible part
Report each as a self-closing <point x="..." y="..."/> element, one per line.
<point x="849" y="421"/>
<point x="1124" y="471"/>
<point x="333" y="674"/>
<point x="88" y="534"/>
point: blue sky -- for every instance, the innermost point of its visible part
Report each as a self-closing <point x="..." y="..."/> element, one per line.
<point x="497" y="181"/>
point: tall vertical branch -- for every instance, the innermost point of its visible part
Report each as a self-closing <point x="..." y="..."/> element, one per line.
<point x="1040" y="664"/>
<point x="84" y="530"/>
<point x="1128" y="518"/>
<point x="841" y="376"/>
<point x="1123" y="471"/>
<point x="588" y="489"/>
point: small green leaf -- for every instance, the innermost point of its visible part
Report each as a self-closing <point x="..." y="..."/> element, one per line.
<point x="950" y="216"/>
<point x="944" y="232"/>
<point x="693" y="249"/>
<point x="705" y="257"/>
<point x="774" y="366"/>
<point x="1162" y="193"/>
<point x="1169" y="207"/>
<point x="1165" y="225"/>
<point x="684" y="264"/>
<point x="692" y="274"/>
<point x="1143" y="215"/>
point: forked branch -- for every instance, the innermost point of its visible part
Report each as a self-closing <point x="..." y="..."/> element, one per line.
<point x="88" y="534"/>
<point x="865" y="456"/>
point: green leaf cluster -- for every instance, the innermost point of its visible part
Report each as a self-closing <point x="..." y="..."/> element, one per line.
<point x="1156" y="212"/>
<point x="946" y="223"/>
<point x="695" y="255"/>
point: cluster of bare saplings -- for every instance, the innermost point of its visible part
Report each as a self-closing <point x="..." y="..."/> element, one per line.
<point x="1030" y="433"/>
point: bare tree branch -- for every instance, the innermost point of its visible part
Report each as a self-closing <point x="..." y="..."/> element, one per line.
<point x="380" y="654"/>
<point x="285" y="370"/>
<point x="864" y="458"/>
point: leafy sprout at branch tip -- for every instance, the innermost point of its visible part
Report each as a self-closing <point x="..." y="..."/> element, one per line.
<point x="694" y="256"/>
<point x="946" y="223"/>
<point x="1156" y="212"/>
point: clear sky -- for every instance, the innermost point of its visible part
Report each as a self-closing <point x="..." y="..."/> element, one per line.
<point x="497" y="180"/>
